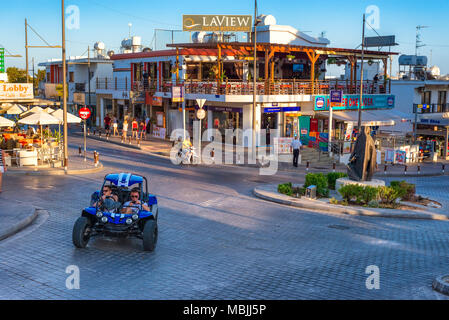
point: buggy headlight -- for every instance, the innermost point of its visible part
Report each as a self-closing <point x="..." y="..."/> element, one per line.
<point x="129" y="221"/>
<point x="104" y="219"/>
<point x="99" y="214"/>
<point x="135" y="216"/>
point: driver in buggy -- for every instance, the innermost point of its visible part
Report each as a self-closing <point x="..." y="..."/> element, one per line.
<point x="108" y="201"/>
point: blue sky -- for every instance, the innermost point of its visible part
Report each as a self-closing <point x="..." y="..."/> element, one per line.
<point x="107" y="21"/>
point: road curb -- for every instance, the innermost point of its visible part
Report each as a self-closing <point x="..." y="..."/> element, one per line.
<point x="20" y="225"/>
<point x="317" y="205"/>
<point x="53" y="172"/>
<point x="441" y="284"/>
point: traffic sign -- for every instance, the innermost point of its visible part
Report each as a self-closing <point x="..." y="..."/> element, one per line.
<point x="201" y="114"/>
<point x="84" y="113"/>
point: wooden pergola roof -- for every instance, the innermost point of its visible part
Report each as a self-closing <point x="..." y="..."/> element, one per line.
<point x="248" y="47"/>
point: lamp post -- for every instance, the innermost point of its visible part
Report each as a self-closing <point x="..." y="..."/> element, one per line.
<point x="64" y="90"/>
<point x="359" y="122"/>
<point x="253" y="144"/>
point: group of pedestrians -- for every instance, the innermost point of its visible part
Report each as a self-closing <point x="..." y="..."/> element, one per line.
<point x="138" y="127"/>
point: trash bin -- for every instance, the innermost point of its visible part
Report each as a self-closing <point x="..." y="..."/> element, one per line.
<point x="311" y="192"/>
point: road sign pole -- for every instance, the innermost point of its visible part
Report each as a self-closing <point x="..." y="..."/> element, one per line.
<point x="330" y="129"/>
<point x="85" y="140"/>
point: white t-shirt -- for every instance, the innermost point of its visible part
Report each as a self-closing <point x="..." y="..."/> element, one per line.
<point x="134" y="207"/>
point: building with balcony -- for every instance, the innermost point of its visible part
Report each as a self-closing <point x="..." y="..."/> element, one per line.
<point x="431" y="124"/>
<point x="292" y="93"/>
<point x="81" y="74"/>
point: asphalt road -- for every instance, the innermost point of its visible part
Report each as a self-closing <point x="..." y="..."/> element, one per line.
<point x="216" y="241"/>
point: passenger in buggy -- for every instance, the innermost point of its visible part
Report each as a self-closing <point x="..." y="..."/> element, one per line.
<point x="133" y="206"/>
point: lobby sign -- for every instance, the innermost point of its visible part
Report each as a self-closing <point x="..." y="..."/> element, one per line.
<point x="351" y="102"/>
<point x="208" y="22"/>
<point x="16" y="91"/>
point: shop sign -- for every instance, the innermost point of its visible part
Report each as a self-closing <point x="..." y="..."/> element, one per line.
<point x="281" y="109"/>
<point x="79" y="97"/>
<point x="282" y="145"/>
<point x="351" y="102"/>
<point x="16" y="91"/>
<point x="336" y="96"/>
<point x="177" y="94"/>
<point x="208" y="22"/>
<point x="158" y="132"/>
<point x="160" y="119"/>
<point x="224" y="109"/>
<point x="437" y="122"/>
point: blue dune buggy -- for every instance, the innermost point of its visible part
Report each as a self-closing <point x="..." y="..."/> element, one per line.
<point x="108" y="215"/>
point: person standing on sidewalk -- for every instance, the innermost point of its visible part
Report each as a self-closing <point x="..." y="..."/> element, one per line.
<point x="107" y="123"/>
<point x="115" y="125"/>
<point x="295" y="146"/>
<point x="2" y="167"/>
<point x="134" y="127"/>
<point x="143" y="129"/>
<point x="125" y="128"/>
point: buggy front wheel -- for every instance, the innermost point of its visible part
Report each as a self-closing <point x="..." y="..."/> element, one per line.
<point x="150" y="232"/>
<point x="81" y="232"/>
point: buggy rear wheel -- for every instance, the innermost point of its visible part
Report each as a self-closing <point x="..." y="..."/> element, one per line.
<point x="150" y="232"/>
<point x="81" y="232"/>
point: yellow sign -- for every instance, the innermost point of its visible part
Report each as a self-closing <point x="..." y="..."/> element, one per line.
<point x="207" y="22"/>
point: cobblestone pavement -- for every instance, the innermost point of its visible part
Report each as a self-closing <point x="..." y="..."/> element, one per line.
<point x="217" y="241"/>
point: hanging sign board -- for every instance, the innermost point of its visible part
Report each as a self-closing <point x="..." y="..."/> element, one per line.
<point x="208" y="22"/>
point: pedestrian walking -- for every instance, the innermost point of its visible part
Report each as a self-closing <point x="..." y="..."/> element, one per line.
<point x="143" y="129"/>
<point x="2" y="167"/>
<point x="125" y="128"/>
<point x="295" y="146"/>
<point x="115" y="125"/>
<point x="134" y="127"/>
<point x="107" y="123"/>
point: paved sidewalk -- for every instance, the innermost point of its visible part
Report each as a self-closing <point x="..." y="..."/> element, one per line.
<point x="269" y="192"/>
<point x="14" y="216"/>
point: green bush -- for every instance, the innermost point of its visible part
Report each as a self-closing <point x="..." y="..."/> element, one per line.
<point x="406" y="190"/>
<point x="358" y="193"/>
<point x="332" y="177"/>
<point x="320" y="181"/>
<point x="389" y="195"/>
<point x="285" y="188"/>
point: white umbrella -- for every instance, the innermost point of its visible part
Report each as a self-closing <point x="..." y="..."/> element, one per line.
<point x="70" y="117"/>
<point x="33" y="110"/>
<point x="49" y="110"/>
<point x="16" y="109"/>
<point x="39" y="118"/>
<point x="6" y="122"/>
<point x="5" y="106"/>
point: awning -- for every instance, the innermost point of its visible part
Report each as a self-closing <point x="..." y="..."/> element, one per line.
<point x="370" y="118"/>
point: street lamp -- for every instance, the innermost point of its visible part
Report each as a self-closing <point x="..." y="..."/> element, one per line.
<point x="64" y="90"/>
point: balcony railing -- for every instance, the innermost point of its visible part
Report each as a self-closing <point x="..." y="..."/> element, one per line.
<point x="279" y="87"/>
<point x="124" y="84"/>
<point x="239" y="87"/>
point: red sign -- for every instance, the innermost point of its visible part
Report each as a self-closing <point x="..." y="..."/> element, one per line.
<point x="84" y="113"/>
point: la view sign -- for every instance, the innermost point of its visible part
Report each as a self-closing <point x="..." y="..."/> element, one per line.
<point x="16" y="91"/>
<point x="351" y="102"/>
<point x="216" y="23"/>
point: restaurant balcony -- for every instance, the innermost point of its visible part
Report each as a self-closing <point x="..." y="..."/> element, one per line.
<point x="278" y="87"/>
<point x="111" y="84"/>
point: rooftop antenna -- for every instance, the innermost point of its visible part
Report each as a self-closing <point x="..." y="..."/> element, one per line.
<point x="323" y="34"/>
<point x="130" y="25"/>
<point x="419" y="43"/>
